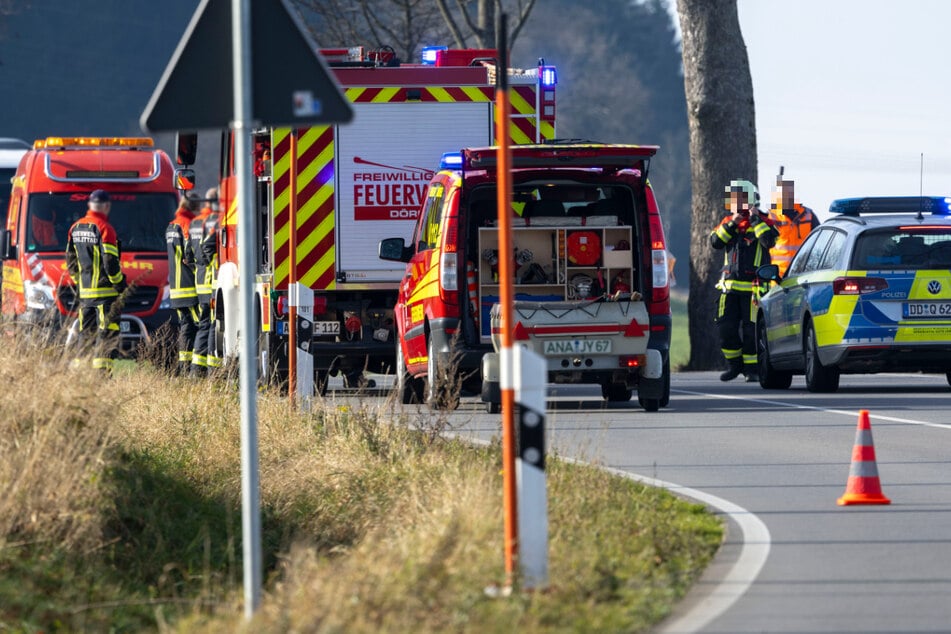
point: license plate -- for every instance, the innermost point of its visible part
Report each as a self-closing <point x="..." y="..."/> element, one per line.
<point x="926" y="309"/>
<point x="326" y="328"/>
<point x="578" y="346"/>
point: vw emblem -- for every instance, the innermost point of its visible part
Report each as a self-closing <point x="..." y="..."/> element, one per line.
<point x="934" y="287"/>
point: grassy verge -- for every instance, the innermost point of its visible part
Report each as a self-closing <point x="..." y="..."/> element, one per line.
<point x="122" y="513"/>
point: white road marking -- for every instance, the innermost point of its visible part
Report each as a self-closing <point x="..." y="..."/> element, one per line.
<point x="854" y="414"/>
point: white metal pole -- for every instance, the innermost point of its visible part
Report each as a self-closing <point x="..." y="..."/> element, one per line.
<point x="247" y="265"/>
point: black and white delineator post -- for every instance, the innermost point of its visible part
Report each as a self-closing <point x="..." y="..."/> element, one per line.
<point x="302" y="298"/>
<point x="531" y="373"/>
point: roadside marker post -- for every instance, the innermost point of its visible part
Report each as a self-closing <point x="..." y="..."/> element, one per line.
<point x="302" y="299"/>
<point x="530" y="394"/>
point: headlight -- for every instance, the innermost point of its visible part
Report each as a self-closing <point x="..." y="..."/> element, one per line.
<point x="39" y="296"/>
<point x="166" y="303"/>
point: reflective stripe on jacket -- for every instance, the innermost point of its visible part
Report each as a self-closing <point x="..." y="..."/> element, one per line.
<point x="92" y="258"/>
<point x="793" y="230"/>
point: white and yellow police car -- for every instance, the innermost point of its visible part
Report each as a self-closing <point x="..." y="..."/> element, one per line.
<point x="868" y="291"/>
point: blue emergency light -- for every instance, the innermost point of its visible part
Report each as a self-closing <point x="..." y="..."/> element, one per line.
<point x="549" y="76"/>
<point x="450" y="161"/>
<point x="429" y="53"/>
<point x="934" y="205"/>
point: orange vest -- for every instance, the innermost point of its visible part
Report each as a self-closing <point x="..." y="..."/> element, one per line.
<point x="792" y="233"/>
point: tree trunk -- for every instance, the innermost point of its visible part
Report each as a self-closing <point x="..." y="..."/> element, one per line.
<point x="720" y="112"/>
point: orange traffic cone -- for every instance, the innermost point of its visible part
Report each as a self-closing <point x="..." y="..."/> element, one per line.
<point x="863" y="486"/>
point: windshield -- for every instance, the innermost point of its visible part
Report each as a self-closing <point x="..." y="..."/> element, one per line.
<point x="138" y="218"/>
<point x="902" y="247"/>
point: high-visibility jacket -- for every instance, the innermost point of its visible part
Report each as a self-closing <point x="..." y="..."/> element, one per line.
<point x="746" y="248"/>
<point x="205" y="262"/>
<point x="181" y="260"/>
<point x="793" y="227"/>
<point x="92" y="259"/>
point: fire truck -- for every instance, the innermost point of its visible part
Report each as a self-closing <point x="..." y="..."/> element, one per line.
<point x="356" y="184"/>
<point x="50" y="190"/>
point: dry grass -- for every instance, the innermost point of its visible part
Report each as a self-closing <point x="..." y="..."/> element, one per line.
<point x="124" y="505"/>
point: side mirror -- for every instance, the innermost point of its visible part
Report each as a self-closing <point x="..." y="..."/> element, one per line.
<point x="185" y="179"/>
<point x="7" y="250"/>
<point x="394" y="249"/>
<point x="768" y="272"/>
<point x="186" y="148"/>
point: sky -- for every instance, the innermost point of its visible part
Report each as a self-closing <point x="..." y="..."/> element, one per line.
<point x="849" y="94"/>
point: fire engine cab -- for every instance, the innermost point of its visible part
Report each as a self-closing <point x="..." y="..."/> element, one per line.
<point x="352" y="185"/>
<point x="50" y="190"/>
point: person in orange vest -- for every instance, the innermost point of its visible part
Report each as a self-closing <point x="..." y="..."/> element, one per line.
<point x="745" y="237"/>
<point x="792" y="220"/>
<point x="92" y="259"/>
<point x="183" y="294"/>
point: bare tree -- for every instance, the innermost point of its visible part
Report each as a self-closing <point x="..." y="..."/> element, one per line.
<point x="722" y="123"/>
<point x="482" y="25"/>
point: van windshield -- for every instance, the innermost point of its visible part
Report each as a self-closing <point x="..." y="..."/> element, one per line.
<point x="138" y="218"/>
<point x="6" y="173"/>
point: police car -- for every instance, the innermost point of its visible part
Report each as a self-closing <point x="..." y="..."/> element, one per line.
<point x="868" y="291"/>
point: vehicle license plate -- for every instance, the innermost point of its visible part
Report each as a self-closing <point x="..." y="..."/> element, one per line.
<point x="926" y="309"/>
<point x="578" y="346"/>
<point x="326" y="328"/>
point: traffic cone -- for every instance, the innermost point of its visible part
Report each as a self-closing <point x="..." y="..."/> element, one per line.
<point x="863" y="486"/>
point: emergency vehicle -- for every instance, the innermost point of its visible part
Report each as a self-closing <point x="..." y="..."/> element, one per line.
<point x="591" y="286"/>
<point x="356" y="184"/>
<point x="49" y="193"/>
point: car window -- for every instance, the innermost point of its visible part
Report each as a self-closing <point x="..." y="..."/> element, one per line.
<point x="818" y="248"/>
<point x="833" y="254"/>
<point x="432" y="214"/>
<point x="927" y="246"/>
<point x="798" y="264"/>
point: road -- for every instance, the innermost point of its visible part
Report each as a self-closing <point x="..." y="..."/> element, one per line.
<point x="774" y="463"/>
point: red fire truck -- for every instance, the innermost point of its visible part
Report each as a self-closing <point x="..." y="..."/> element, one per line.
<point x="50" y="190"/>
<point x="356" y="184"/>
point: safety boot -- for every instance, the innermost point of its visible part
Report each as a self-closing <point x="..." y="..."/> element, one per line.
<point x="752" y="372"/>
<point x="734" y="370"/>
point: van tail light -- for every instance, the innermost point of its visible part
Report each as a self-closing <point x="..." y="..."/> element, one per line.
<point x="282" y="306"/>
<point x="858" y="285"/>
<point x="660" y="284"/>
<point x="449" y="277"/>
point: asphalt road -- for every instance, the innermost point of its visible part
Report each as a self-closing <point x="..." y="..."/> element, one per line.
<point x="773" y="464"/>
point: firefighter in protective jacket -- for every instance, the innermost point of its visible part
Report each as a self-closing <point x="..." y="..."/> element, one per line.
<point x="181" y="279"/>
<point x="92" y="259"/>
<point x="203" y="234"/>
<point x="745" y="236"/>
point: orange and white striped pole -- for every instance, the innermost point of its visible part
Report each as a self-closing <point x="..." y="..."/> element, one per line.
<point x="506" y="296"/>
<point x="292" y="274"/>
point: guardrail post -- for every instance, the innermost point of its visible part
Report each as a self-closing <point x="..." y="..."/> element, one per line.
<point x="302" y="297"/>
<point x="530" y="395"/>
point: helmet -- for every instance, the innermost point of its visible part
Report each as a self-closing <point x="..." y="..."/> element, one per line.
<point x="752" y="194"/>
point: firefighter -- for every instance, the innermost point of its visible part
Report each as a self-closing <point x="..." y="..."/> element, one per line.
<point x="181" y="279"/>
<point x="792" y="220"/>
<point x="92" y="259"/>
<point x="204" y="244"/>
<point x="745" y="236"/>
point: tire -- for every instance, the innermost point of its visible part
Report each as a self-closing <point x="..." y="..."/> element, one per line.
<point x="493" y="408"/>
<point x="407" y="387"/>
<point x="948" y="377"/>
<point x="769" y="377"/>
<point x="654" y="404"/>
<point x="616" y="392"/>
<point x="440" y="395"/>
<point x="649" y="404"/>
<point x="819" y="378"/>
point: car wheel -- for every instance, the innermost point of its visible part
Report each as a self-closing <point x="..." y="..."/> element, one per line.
<point x="819" y="378"/>
<point x="616" y="392"/>
<point x="769" y="377"/>
<point x="649" y="404"/>
<point x="493" y="408"/>
<point x="665" y="397"/>
<point x="440" y="393"/>
<point x="407" y="387"/>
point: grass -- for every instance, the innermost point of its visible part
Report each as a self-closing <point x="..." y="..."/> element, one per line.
<point x="679" y="336"/>
<point x="122" y="513"/>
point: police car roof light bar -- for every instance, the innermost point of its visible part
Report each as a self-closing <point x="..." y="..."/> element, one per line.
<point x="935" y="205"/>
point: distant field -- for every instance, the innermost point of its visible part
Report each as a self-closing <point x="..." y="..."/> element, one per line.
<point x="680" y="338"/>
